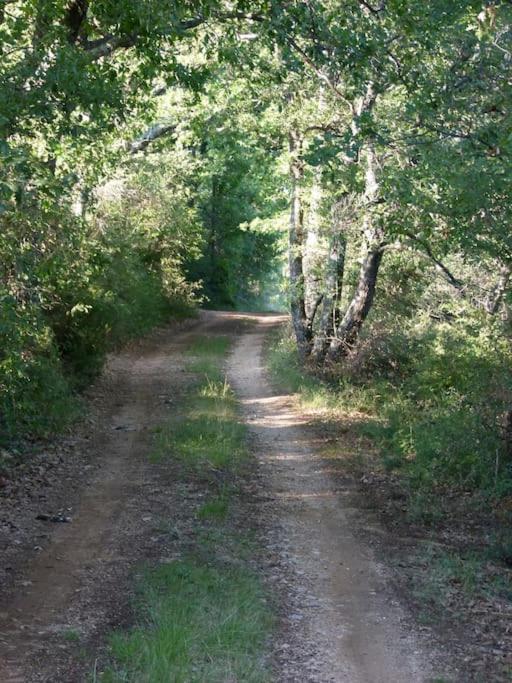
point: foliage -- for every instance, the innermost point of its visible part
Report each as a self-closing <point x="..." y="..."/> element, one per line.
<point x="34" y="394"/>
<point x="442" y="418"/>
<point x="432" y="397"/>
<point x="402" y="114"/>
<point x="239" y="191"/>
<point x="73" y="289"/>
<point x="97" y="243"/>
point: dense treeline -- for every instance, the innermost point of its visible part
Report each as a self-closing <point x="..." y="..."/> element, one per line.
<point x="150" y="150"/>
<point x="399" y="230"/>
<point x="108" y="227"/>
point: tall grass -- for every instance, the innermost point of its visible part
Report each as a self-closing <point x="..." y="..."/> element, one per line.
<point x="198" y="623"/>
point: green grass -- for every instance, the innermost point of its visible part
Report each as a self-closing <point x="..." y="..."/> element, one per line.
<point x="199" y="623"/>
<point x="203" y="619"/>
<point x="72" y="636"/>
<point x="209" y="346"/>
<point x="204" y="366"/>
<point x="442" y="577"/>
<point x="215" y="508"/>
<point x="313" y="393"/>
<point x="211" y="437"/>
<point x="207" y="354"/>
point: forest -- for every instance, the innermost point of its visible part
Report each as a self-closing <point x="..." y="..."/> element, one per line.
<point x="337" y="175"/>
<point x="351" y="165"/>
<point x="346" y="165"/>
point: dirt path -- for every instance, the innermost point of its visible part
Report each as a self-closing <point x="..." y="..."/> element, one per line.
<point x="346" y="619"/>
<point x="73" y="586"/>
<point x="340" y="622"/>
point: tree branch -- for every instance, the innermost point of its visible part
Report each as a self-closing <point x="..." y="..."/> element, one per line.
<point x="451" y="279"/>
<point x="104" y="47"/>
<point x="373" y="10"/>
<point x="75" y="17"/>
<point x="318" y="72"/>
<point x="107" y="45"/>
<point x="497" y="293"/>
<point x="152" y="134"/>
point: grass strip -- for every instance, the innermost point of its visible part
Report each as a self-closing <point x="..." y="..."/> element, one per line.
<point x="211" y="438"/>
<point x="204" y="618"/>
<point x="198" y="623"/>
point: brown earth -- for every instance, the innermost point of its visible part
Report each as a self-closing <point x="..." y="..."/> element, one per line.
<point x="65" y="585"/>
<point x="70" y="580"/>
<point x="347" y="623"/>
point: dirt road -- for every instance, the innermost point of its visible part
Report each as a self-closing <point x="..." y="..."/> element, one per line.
<point x="341" y="621"/>
<point x="346" y="617"/>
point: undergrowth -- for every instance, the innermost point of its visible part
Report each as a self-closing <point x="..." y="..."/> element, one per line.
<point x="211" y="438"/>
<point x="442" y="574"/>
<point x="67" y="307"/>
<point x="431" y="402"/>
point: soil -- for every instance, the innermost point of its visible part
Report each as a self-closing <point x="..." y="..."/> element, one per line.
<point x="67" y="584"/>
<point x="347" y="623"/>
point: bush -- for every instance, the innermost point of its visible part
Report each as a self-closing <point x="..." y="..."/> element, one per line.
<point x="70" y="290"/>
<point x="34" y="393"/>
<point x="442" y="419"/>
<point x="431" y="395"/>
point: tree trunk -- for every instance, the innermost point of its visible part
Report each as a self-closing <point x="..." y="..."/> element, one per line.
<point x="348" y="330"/>
<point x="295" y="248"/>
<point x="497" y="293"/>
<point x="350" y="325"/>
<point x="330" y="313"/>
<point x="314" y="250"/>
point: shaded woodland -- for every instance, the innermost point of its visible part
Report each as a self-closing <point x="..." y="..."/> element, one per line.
<point x="351" y="163"/>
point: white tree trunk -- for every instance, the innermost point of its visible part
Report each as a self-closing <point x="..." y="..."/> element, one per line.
<point x="296" y="247"/>
<point x="348" y="329"/>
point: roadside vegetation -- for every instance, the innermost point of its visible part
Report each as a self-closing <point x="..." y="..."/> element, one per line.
<point x="205" y="616"/>
<point x="415" y="414"/>
<point x="432" y="399"/>
<point x="154" y="157"/>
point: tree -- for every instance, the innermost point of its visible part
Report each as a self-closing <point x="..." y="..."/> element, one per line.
<point x="401" y="78"/>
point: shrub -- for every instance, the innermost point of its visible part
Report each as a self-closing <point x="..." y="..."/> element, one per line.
<point x="70" y="290"/>
<point x="34" y="393"/>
